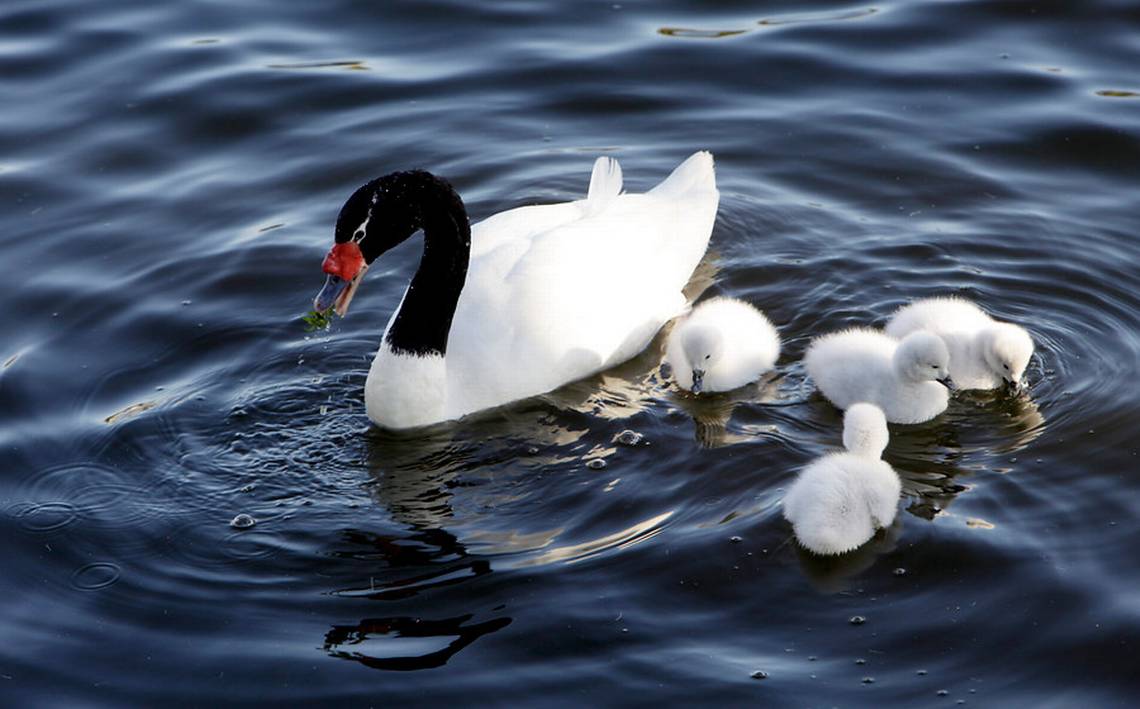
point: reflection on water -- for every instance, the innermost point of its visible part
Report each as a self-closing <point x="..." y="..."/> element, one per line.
<point x="834" y="573"/>
<point x="711" y="413"/>
<point x="406" y="643"/>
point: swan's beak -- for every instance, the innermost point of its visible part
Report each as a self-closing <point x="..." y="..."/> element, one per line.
<point x="698" y="380"/>
<point x="345" y="268"/>
<point x="947" y="382"/>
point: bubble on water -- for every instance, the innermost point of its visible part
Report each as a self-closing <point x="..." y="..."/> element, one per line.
<point x="596" y="464"/>
<point x="242" y="521"/>
<point x="93" y="577"/>
<point x="860" y="661"/>
<point x="532" y="450"/>
<point x="868" y="680"/>
<point x="857" y="620"/>
<point x="628" y="438"/>
<point x="759" y="674"/>
<point x="735" y="539"/>
<point x="921" y="673"/>
<point x="943" y="692"/>
<point x="900" y="571"/>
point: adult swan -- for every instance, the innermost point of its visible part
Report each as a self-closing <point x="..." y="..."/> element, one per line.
<point x="524" y="301"/>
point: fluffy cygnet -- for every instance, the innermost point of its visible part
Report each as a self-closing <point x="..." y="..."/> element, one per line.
<point x="984" y="353"/>
<point x="839" y="500"/>
<point x="721" y="345"/>
<point x="905" y="378"/>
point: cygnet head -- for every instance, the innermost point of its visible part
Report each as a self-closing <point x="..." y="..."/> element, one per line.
<point x="703" y="346"/>
<point x="922" y="356"/>
<point x="865" y="430"/>
<point x="1007" y="349"/>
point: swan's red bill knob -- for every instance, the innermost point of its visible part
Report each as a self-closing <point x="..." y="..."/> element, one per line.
<point x="343" y="261"/>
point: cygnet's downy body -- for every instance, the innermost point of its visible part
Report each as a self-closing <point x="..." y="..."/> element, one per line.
<point x="839" y="500"/>
<point x="721" y="345"/>
<point x="984" y="353"/>
<point x="905" y="378"/>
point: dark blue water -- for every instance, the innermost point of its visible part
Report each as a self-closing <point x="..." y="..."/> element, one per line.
<point x="169" y="179"/>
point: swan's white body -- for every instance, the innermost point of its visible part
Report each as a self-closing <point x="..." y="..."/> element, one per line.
<point x="729" y="340"/>
<point x="897" y="376"/>
<point x="555" y="293"/>
<point x="839" y="500"/>
<point x="984" y="353"/>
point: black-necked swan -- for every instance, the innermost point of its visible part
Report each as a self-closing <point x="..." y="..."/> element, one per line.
<point x="524" y="301"/>
<point x="723" y="344"/>
<point x="840" y="499"/>
<point x="984" y="353"/>
<point x="906" y="378"/>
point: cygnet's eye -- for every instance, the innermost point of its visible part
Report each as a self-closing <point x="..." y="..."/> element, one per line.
<point x="1006" y="367"/>
<point x="934" y="366"/>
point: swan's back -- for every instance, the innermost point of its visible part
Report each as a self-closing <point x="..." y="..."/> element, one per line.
<point x="850" y="366"/>
<point x="942" y="316"/>
<point x="839" y="500"/>
<point x="556" y="293"/>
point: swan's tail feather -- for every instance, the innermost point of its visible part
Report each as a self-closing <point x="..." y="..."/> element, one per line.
<point x="605" y="184"/>
<point x="695" y="174"/>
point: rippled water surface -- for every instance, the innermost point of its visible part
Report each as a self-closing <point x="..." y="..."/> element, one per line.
<point x="169" y="177"/>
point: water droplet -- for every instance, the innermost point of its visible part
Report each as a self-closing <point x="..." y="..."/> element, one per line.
<point x="759" y="674"/>
<point x="242" y="521"/>
<point x="735" y="540"/>
<point x="857" y="620"/>
<point x="596" y="464"/>
<point x="186" y="302"/>
<point x="249" y="487"/>
<point x="811" y="658"/>
<point x="532" y="450"/>
<point x="868" y="680"/>
<point x="629" y="438"/>
<point x="860" y="661"/>
<point x="900" y="571"/>
<point x="921" y="673"/>
<point x="942" y="692"/>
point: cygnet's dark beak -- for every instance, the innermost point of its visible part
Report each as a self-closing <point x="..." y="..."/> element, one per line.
<point x="1013" y="386"/>
<point x="946" y="382"/>
<point x="698" y="380"/>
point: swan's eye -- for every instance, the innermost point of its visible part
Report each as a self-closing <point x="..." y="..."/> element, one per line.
<point x="358" y="234"/>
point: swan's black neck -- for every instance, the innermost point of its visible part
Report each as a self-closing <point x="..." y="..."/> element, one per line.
<point x="423" y="322"/>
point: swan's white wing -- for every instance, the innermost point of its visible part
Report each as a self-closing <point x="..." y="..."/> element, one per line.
<point x="574" y="299"/>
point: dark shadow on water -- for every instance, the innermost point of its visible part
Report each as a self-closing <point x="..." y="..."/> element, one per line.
<point x="833" y="574"/>
<point x="397" y="633"/>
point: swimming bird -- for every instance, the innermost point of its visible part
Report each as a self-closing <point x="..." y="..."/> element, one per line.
<point x="524" y="301"/>
<point x="839" y="500"/>
<point x="721" y="345"/>
<point x="984" y="353"/>
<point x="906" y="378"/>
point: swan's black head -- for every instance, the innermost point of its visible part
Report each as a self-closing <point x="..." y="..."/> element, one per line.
<point x="377" y="217"/>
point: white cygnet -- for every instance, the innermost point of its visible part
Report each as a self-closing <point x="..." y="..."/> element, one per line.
<point x="721" y="345"/>
<point x="906" y="378"/>
<point x="984" y="353"/>
<point x="839" y="500"/>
